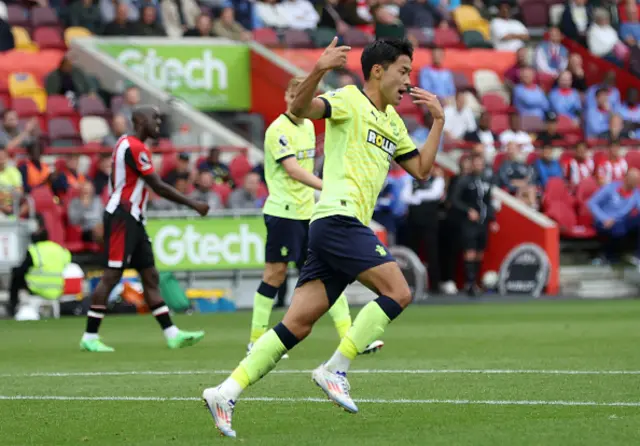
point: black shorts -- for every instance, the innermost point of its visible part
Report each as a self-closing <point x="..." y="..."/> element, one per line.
<point x="286" y="240"/>
<point x="126" y="242"/>
<point x="473" y="236"/>
<point x="340" y="248"/>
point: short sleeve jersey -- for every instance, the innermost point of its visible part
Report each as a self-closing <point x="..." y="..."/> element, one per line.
<point x="360" y="142"/>
<point x="284" y="139"/>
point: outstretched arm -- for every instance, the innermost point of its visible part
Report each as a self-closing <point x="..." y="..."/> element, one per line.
<point x="163" y="189"/>
<point x="296" y="172"/>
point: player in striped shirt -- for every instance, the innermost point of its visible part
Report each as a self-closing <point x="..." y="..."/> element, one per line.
<point x="127" y="244"/>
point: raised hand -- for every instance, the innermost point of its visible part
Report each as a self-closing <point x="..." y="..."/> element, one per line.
<point x="334" y="56"/>
<point x="430" y="100"/>
<point x="201" y="208"/>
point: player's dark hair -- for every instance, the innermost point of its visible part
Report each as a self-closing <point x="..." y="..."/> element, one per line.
<point x="384" y="52"/>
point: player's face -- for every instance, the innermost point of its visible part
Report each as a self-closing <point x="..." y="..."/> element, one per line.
<point x="154" y="125"/>
<point x="395" y="80"/>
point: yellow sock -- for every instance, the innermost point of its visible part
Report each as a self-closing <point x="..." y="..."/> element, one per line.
<point x="348" y="348"/>
<point x="341" y="316"/>
<point x="264" y="356"/>
<point x="262" y="306"/>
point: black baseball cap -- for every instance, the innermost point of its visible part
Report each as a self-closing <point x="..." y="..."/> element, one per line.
<point x="184" y="156"/>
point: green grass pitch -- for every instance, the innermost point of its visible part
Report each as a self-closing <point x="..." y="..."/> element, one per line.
<point x="492" y="374"/>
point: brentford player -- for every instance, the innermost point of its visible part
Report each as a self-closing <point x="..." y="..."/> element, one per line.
<point x="127" y="244"/>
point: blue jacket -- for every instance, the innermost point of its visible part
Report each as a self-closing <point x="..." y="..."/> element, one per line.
<point x="596" y="122"/>
<point x="614" y="97"/>
<point x="607" y="203"/>
<point x="530" y="101"/>
<point x="438" y="81"/>
<point x="545" y="170"/>
<point x="565" y="104"/>
<point x="630" y="114"/>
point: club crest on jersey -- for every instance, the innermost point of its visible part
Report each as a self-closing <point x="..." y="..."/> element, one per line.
<point x="283" y="141"/>
<point x="381" y="142"/>
<point x="145" y="162"/>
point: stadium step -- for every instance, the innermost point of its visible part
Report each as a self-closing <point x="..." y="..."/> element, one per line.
<point x="602" y="289"/>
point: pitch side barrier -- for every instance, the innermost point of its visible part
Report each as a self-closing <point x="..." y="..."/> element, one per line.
<point x="230" y="243"/>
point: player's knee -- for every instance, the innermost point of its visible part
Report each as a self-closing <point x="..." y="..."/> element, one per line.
<point x="402" y="295"/>
<point x="275" y="274"/>
<point x="111" y="278"/>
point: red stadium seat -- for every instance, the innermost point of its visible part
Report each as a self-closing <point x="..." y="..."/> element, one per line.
<point x="499" y="123"/>
<point x="461" y="81"/>
<point x="238" y="168"/>
<point x="356" y="38"/>
<point x="223" y="190"/>
<point x="49" y="38"/>
<point x="43" y="198"/>
<point x="92" y="106"/>
<point x="59" y="106"/>
<point x="296" y="38"/>
<point x="447" y="38"/>
<point x="568" y="222"/>
<point x="532" y="157"/>
<point x="633" y="158"/>
<point x="17" y="16"/>
<point x="44" y="16"/>
<point x="531" y="124"/>
<point x="494" y="103"/>
<point x="53" y="223"/>
<point x="535" y="13"/>
<point x="167" y="163"/>
<point x="498" y="160"/>
<point x="423" y="39"/>
<point x="407" y="107"/>
<point x="556" y="191"/>
<point x="586" y="189"/>
<point x="25" y="107"/>
<point x="266" y="37"/>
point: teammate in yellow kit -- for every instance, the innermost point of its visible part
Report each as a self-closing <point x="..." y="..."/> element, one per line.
<point x="364" y="133"/>
<point x="290" y="146"/>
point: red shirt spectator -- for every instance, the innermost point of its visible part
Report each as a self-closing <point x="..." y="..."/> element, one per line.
<point x="579" y="167"/>
<point x="613" y="168"/>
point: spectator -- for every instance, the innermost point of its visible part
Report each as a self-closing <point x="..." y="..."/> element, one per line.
<point x="397" y="179"/>
<point x="341" y="77"/>
<point x="550" y="132"/>
<point x="109" y="10"/>
<point x="507" y="33"/>
<point x="423" y="200"/>
<point x="269" y="13"/>
<point x="609" y="85"/>
<point x="603" y="39"/>
<point x="124" y="23"/>
<point x="181" y="169"/>
<point x="12" y="136"/>
<point x="299" y="14"/>
<point x="546" y="167"/>
<point x="204" y="27"/>
<point x="383" y="211"/>
<point x="528" y="98"/>
<point x="630" y="110"/>
<point x="512" y="75"/>
<point x="178" y="16"/>
<point x="247" y="196"/>
<point x="459" y="119"/>
<point x="417" y="14"/>
<point x="181" y="183"/>
<point x="10" y="183"/>
<point x="85" y="13"/>
<point x="597" y="118"/>
<point x="579" y="167"/>
<point x="243" y="12"/>
<point x="483" y="135"/>
<point x="617" y="129"/>
<point x="436" y="79"/>
<point x="119" y="126"/>
<point x="101" y="178"/>
<point x="472" y="199"/>
<point x="515" y="134"/>
<point x="552" y="57"/>
<point x="149" y="25"/>
<point x="578" y="82"/>
<point x="68" y="80"/>
<point x="565" y="100"/>
<point x="34" y="171"/>
<point x="630" y="30"/>
<point x="575" y="20"/>
<point x="203" y="191"/>
<point x="226" y="26"/>
<point x="517" y="177"/>
<point x="340" y="15"/>
<point x="7" y="42"/>
<point x="614" y="167"/>
<point x="219" y="170"/>
<point x="86" y="211"/>
<point x="131" y="99"/>
<point x="615" y="211"/>
<point x="68" y="177"/>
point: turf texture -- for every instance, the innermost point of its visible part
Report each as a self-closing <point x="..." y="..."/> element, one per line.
<point x="539" y="373"/>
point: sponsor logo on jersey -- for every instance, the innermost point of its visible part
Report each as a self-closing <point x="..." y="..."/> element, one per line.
<point x="381" y="142"/>
<point x="306" y="154"/>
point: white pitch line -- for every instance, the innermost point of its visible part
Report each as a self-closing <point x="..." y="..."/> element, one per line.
<point x="361" y="371"/>
<point x="324" y="400"/>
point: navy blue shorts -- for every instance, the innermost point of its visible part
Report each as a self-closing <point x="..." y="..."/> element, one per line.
<point x="340" y="248"/>
<point x="286" y="240"/>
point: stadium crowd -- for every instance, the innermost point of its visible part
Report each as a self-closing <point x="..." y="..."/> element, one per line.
<point x="517" y="124"/>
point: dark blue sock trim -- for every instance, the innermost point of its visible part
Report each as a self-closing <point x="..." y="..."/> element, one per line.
<point x="390" y="307"/>
<point x="267" y="290"/>
<point x="288" y="339"/>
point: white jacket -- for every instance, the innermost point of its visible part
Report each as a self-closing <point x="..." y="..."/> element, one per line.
<point x="171" y="16"/>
